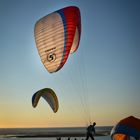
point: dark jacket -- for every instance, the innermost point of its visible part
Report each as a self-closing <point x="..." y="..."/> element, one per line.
<point x="90" y="129"/>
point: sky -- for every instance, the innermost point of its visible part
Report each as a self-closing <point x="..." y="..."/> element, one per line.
<point x="99" y="82"/>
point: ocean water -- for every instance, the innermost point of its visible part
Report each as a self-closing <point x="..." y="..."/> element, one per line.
<point x="77" y="133"/>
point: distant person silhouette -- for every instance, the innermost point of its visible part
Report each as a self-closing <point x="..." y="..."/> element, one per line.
<point x="58" y="138"/>
<point x="136" y="138"/>
<point x="90" y="131"/>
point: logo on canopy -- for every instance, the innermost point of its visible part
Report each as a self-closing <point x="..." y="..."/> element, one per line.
<point x="51" y="57"/>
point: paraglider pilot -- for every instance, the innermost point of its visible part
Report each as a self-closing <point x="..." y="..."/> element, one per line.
<point x="90" y="131"/>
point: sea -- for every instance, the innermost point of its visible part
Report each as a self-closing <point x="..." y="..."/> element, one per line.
<point x="73" y="133"/>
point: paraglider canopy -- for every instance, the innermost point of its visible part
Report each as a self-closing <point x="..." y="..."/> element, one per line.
<point x="57" y="35"/>
<point x="49" y="96"/>
<point x="126" y="128"/>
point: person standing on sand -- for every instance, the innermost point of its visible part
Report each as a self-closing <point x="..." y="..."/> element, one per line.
<point x="90" y="131"/>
